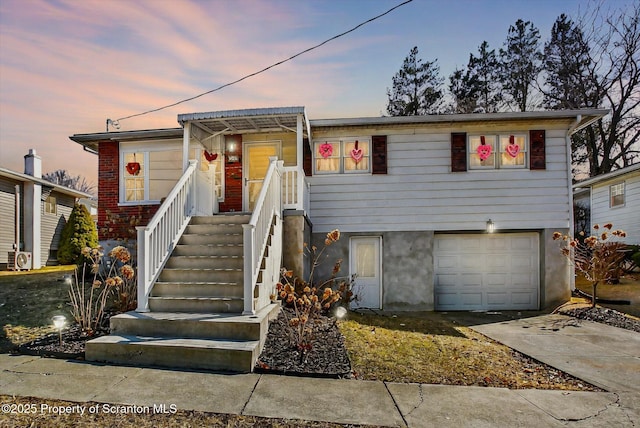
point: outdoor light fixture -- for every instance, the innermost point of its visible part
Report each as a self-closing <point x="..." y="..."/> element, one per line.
<point x="490" y="226"/>
<point x="341" y="312"/>
<point x="67" y="279"/>
<point x="58" y="322"/>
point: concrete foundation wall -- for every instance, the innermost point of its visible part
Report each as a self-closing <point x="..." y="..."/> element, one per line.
<point x="296" y="232"/>
<point x="407" y="268"/>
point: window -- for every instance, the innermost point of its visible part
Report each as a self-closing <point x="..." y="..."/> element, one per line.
<point x="51" y="205"/>
<point x="616" y="195"/>
<point x="148" y="176"/>
<point x="498" y="151"/>
<point x="342" y="156"/>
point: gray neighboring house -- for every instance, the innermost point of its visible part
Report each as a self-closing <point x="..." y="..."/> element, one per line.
<point x="37" y="210"/>
<point x="615" y="198"/>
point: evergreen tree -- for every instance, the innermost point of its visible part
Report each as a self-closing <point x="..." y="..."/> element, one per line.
<point x="464" y="90"/>
<point x="568" y="84"/>
<point x="485" y="69"/>
<point x="79" y="232"/>
<point x="416" y="88"/>
<point x="520" y="64"/>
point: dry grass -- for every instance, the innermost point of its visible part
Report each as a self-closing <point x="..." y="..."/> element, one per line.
<point x="409" y="349"/>
<point x="627" y="289"/>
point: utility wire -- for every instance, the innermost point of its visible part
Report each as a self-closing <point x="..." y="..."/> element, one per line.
<point x="266" y="68"/>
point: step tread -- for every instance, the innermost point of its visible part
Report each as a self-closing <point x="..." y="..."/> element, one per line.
<point x="203" y="269"/>
<point x="198" y="298"/>
<point x="196" y="317"/>
<point x="179" y="283"/>
<point x="178" y="342"/>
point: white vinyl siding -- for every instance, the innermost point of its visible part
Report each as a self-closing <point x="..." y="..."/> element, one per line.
<point x="8" y="214"/>
<point x="625" y="217"/>
<point x="51" y="227"/>
<point x="421" y="193"/>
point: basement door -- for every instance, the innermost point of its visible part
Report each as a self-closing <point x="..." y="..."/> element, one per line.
<point x="365" y="262"/>
<point x="498" y="271"/>
<point x="256" y="164"/>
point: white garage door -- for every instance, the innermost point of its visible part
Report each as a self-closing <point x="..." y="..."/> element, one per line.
<point x="486" y="272"/>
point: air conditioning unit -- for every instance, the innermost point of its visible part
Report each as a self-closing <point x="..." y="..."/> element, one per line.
<point x="20" y="260"/>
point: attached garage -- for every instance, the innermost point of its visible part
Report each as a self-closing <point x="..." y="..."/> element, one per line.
<point x="498" y="271"/>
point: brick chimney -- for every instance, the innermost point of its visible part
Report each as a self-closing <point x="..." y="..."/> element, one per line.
<point x="33" y="164"/>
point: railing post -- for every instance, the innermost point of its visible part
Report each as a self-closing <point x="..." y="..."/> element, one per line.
<point x="143" y="269"/>
<point x="248" y="231"/>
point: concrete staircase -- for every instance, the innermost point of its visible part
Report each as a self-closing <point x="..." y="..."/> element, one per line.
<point x="195" y="306"/>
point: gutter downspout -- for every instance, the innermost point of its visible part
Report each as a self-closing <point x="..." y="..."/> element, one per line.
<point x="572" y="129"/>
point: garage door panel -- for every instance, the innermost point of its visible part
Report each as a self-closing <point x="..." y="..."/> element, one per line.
<point x="467" y="280"/>
<point x="497" y="299"/>
<point x="484" y="272"/>
<point x="447" y="262"/>
<point x="471" y="299"/>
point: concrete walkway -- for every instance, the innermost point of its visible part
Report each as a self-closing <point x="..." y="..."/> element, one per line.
<point x="615" y="351"/>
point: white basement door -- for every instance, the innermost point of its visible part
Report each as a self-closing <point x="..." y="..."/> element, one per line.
<point x="498" y="271"/>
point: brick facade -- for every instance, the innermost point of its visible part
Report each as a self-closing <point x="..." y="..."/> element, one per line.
<point x="116" y="222"/>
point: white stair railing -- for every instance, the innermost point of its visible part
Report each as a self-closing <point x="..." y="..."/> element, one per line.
<point x="157" y="239"/>
<point x="265" y="218"/>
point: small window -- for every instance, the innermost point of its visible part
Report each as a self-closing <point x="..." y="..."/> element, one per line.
<point x="497" y="151"/>
<point x="616" y="195"/>
<point x="327" y="155"/>
<point x="51" y="205"/>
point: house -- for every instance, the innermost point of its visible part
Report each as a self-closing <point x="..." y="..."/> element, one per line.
<point x="446" y="212"/>
<point x="33" y="213"/>
<point x="614" y="198"/>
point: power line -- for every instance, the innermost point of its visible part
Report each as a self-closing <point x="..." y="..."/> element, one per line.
<point x="266" y="68"/>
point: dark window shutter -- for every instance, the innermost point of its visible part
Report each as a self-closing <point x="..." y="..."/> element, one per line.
<point x="379" y="154"/>
<point x="458" y="151"/>
<point x="537" y="157"/>
<point x="307" y="165"/>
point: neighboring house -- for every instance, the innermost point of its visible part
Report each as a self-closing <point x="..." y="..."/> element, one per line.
<point x="33" y="213"/>
<point x="615" y="198"/>
<point x="442" y="212"/>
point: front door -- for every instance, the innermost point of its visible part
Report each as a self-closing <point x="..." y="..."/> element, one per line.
<point x="256" y="163"/>
<point x="365" y="263"/>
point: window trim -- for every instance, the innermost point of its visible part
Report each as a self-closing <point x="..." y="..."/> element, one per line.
<point x="342" y="155"/>
<point x="122" y="201"/>
<point x="51" y="201"/>
<point x="621" y="185"/>
<point x="497" y="153"/>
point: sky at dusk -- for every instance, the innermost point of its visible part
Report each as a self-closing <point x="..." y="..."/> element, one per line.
<point x="66" y="66"/>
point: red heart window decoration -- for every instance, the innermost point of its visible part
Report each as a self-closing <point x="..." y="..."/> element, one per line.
<point x="133" y="168"/>
<point x="356" y="153"/>
<point x="512" y="149"/>
<point x="325" y="150"/>
<point x="210" y="157"/>
<point x="483" y="150"/>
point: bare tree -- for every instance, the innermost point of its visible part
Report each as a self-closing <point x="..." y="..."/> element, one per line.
<point x="63" y="178"/>
<point x="596" y="63"/>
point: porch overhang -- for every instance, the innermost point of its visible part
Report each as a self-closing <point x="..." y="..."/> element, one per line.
<point x="273" y="119"/>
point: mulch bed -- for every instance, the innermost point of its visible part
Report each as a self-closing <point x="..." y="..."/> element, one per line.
<point x="72" y="346"/>
<point x="605" y="316"/>
<point x="327" y="358"/>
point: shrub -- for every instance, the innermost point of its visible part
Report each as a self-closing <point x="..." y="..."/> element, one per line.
<point x="89" y="301"/>
<point x="79" y="232"/>
<point x="309" y="300"/>
<point x="596" y="257"/>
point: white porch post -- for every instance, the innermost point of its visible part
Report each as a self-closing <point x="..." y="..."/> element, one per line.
<point x="300" y="161"/>
<point x="186" y="137"/>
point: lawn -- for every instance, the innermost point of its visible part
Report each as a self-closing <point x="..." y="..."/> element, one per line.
<point x="425" y="348"/>
<point x="28" y="301"/>
<point x="627" y="289"/>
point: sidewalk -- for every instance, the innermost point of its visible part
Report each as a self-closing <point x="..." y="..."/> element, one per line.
<point x="360" y="402"/>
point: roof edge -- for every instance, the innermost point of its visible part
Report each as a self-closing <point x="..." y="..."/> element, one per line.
<point x="588" y="182"/>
